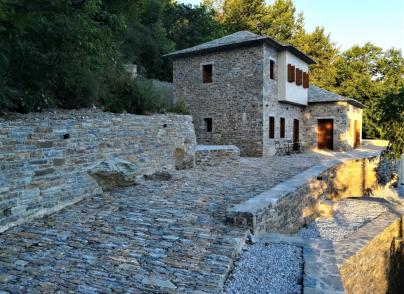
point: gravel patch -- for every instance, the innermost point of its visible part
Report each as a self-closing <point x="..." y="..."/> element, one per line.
<point x="349" y="216"/>
<point x="267" y="268"/>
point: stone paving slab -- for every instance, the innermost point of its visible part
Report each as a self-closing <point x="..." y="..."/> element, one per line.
<point x="165" y="236"/>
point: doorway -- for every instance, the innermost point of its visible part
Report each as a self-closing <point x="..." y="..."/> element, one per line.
<point x="325" y="136"/>
<point x="357" y="135"/>
<point x="296" y="135"/>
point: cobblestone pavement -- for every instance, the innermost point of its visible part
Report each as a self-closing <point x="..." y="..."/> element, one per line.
<point x="165" y="235"/>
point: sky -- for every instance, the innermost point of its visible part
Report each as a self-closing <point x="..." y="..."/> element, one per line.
<point x="354" y="21"/>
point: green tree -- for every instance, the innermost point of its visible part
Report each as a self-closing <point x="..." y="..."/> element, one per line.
<point x="281" y="21"/>
<point x="56" y="52"/>
<point x="392" y="122"/>
<point x="188" y="26"/>
<point x="367" y="73"/>
<point x="238" y="15"/>
<point x="319" y="46"/>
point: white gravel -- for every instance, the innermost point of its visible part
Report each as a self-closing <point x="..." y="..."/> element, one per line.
<point x="267" y="268"/>
<point x="349" y="216"/>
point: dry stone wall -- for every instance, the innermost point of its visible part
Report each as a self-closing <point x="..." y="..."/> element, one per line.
<point x="45" y="158"/>
<point x="216" y="155"/>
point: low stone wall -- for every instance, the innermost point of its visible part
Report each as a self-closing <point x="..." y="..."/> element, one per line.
<point x="216" y="155"/>
<point x="288" y="206"/>
<point x="371" y="260"/>
<point x="45" y="157"/>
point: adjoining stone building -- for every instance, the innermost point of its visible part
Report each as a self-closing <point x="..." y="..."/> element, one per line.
<point x="250" y="91"/>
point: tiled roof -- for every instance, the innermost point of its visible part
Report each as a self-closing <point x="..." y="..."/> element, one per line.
<point x="236" y="40"/>
<point x="319" y="95"/>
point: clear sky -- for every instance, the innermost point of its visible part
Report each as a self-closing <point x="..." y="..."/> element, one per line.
<point x="354" y="21"/>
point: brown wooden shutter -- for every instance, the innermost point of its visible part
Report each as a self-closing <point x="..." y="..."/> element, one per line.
<point x="305" y="80"/>
<point x="299" y="76"/>
<point x="289" y="73"/>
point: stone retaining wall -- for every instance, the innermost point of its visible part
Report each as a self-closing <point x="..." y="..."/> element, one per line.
<point x="291" y="204"/>
<point x="45" y="157"/>
<point x="371" y="260"/>
<point x="216" y="155"/>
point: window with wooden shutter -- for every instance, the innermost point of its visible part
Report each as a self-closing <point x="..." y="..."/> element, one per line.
<point x="282" y="128"/>
<point x="271" y="127"/>
<point x="207" y="71"/>
<point x="271" y="69"/>
<point x="305" y="80"/>
<point x="299" y="76"/>
<point x="291" y="73"/>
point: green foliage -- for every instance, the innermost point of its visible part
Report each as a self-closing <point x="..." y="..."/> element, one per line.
<point x="132" y="95"/>
<point x="57" y="53"/>
<point x="180" y="107"/>
<point x="392" y="122"/>
<point x="188" y="26"/>
<point x="367" y="73"/>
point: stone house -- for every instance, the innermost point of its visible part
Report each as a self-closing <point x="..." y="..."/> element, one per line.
<point x="251" y="91"/>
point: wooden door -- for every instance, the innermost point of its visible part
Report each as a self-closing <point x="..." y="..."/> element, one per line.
<point x="357" y="135"/>
<point x="295" y="134"/>
<point x="325" y="134"/>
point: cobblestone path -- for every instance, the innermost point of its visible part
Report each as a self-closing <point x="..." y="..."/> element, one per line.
<point x="163" y="235"/>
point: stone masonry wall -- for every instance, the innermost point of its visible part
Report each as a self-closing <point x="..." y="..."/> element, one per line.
<point x="343" y="115"/>
<point x="216" y="155"/>
<point x="45" y="157"/>
<point x="233" y="100"/>
<point x="373" y="268"/>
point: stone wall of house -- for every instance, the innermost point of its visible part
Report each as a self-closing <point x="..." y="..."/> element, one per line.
<point x="216" y="155"/>
<point x="272" y="107"/>
<point x="343" y="115"/>
<point x="233" y="100"/>
<point x="45" y="158"/>
<point x="290" y="205"/>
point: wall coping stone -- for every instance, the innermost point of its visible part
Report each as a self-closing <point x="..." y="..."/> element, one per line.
<point x="270" y="197"/>
<point x="201" y="148"/>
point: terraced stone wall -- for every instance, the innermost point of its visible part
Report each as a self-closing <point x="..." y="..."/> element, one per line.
<point x="378" y="266"/>
<point x="292" y="204"/>
<point x="45" y="157"/>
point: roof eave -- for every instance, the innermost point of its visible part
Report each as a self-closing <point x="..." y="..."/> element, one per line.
<point x="278" y="46"/>
<point x="175" y="55"/>
<point x="350" y="101"/>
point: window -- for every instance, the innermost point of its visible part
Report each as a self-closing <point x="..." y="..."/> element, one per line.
<point x="305" y="80"/>
<point x="207" y="70"/>
<point x="208" y="124"/>
<point x="271" y="70"/>
<point x="271" y="127"/>
<point x="299" y="76"/>
<point x="291" y="73"/>
<point x="282" y="128"/>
